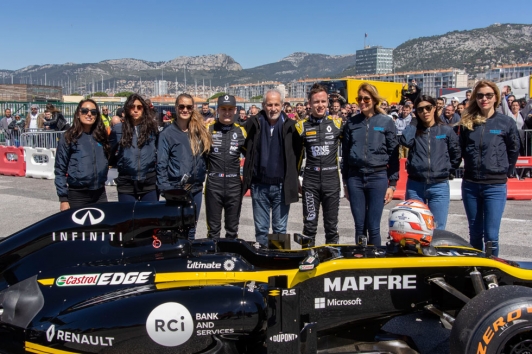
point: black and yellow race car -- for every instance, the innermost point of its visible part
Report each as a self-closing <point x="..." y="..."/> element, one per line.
<point x="122" y="278"/>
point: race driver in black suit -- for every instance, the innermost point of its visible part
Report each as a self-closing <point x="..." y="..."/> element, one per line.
<point x="223" y="189"/>
<point x="321" y="180"/>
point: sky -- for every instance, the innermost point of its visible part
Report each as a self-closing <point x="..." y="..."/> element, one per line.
<point x="253" y="33"/>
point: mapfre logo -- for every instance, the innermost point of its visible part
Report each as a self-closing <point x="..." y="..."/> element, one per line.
<point x="94" y="215"/>
<point x="170" y="324"/>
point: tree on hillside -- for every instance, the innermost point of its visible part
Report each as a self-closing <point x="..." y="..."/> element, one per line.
<point x="75" y="94"/>
<point x="257" y="98"/>
<point x="123" y="94"/>
<point x="216" y="95"/>
<point x="100" y="94"/>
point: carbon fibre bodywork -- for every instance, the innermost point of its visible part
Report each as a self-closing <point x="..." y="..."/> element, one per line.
<point x="120" y="278"/>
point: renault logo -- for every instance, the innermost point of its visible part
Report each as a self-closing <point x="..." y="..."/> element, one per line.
<point x="50" y="333"/>
<point x="95" y="216"/>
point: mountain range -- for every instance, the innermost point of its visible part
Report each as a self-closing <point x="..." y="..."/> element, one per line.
<point x="474" y="50"/>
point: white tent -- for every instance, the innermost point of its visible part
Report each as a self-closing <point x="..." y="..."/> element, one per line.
<point x="520" y="89"/>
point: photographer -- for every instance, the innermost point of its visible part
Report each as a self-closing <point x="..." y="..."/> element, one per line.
<point x="335" y="96"/>
<point x="410" y="92"/>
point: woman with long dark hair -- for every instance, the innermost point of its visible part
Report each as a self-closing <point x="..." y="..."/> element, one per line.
<point x="490" y="147"/>
<point x="370" y="163"/>
<point x="433" y="157"/>
<point x="81" y="162"/>
<point x="134" y="148"/>
<point x="181" y="153"/>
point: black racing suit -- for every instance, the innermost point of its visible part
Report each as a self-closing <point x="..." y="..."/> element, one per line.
<point x="224" y="186"/>
<point x="321" y="179"/>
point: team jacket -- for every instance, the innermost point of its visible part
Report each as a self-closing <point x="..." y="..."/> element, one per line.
<point x="320" y="139"/>
<point x="80" y="165"/>
<point x="227" y="145"/>
<point x="370" y="145"/>
<point x="132" y="161"/>
<point x="176" y="165"/>
<point x="434" y="152"/>
<point x="490" y="150"/>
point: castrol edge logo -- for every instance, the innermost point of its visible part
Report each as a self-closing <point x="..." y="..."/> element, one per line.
<point x="103" y="279"/>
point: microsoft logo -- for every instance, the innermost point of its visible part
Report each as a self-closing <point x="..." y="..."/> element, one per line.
<point x="319" y="303"/>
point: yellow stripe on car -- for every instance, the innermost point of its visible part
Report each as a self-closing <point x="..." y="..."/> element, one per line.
<point x="179" y="279"/>
<point x="46" y="281"/>
<point x="41" y="349"/>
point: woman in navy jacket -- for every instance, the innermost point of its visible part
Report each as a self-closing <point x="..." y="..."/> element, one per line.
<point x="134" y="148"/>
<point x="81" y="162"/>
<point x="433" y="157"/>
<point x="490" y="148"/>
<point x="370" y="167"/>
<point x="181" y="153"/>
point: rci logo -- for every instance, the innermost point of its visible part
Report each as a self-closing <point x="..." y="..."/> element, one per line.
<point x="94" y="215"/>
<point x="170" y="324"/>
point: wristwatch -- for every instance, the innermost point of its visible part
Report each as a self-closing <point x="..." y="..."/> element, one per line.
<point x="392" y="188"/>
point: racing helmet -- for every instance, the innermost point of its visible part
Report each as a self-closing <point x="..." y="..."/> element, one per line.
<point x="412" y="221"/>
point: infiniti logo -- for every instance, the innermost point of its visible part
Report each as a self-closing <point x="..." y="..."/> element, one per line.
<point x="95" y="216"/>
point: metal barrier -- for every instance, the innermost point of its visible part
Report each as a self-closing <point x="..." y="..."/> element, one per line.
<point x="40" y="139"/>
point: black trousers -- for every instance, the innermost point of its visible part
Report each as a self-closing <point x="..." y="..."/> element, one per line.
<point x="80" y="198"/>
<point x="321" y="187"/>
<point x="223" y="193"/>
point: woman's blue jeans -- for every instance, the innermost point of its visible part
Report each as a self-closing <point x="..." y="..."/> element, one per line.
<point x="435" y="195"/>
<point x="366" y="197"/>
<point x="484" y="205"/>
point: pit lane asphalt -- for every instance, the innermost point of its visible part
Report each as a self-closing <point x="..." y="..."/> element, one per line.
<point x="24" y="201"/>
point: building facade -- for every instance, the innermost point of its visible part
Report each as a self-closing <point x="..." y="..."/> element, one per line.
<point x="374" y="60"/>
<point x="247" y="91"/>
<point x="509" y="72"/>
<point x="160" y="87"/>
<point x="300" y="88"/>
<point x="30" y="93"/>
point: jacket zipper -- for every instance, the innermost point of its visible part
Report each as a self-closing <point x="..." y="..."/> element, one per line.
<point x="428" y="171"/>
<point x="480" y="150"/>
<point x="366" y="144"/>
<point x="94" y="162"/>
<point x="138" y="155"/>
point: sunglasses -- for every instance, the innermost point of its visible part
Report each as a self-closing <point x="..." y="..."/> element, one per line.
<point x="365" y="99"/>
<point x="489" y="96"/>
<point x="426" y="108"/>
<point x="86" y="111"/>
<point x="188" y="107"/>
<point x="139" y="107"/>
<point x="288" y="111"/>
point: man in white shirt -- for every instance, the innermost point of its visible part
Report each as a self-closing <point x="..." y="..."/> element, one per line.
<point x="34" y="119"/>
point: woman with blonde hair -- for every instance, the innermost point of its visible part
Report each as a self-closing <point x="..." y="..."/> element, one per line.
<point x="370" y="163"/>
<point x="181" y="153"/>
<point x="490" y="146"/>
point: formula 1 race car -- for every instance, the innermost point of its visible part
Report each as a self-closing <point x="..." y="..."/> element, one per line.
<point x="123" y="278"/>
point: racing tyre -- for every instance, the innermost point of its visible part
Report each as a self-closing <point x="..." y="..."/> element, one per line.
<point x="447" y="238"/>
<point x="497" y="321"/>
